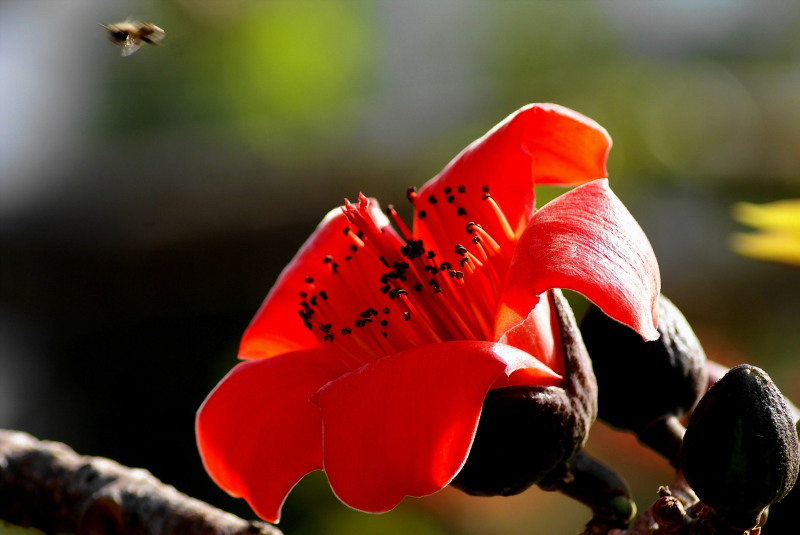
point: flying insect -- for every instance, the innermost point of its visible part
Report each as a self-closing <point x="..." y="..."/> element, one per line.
<point x="131" y="35"/>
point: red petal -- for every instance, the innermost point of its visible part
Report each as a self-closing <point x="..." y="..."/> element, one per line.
<point x="587" y="241"/>
<point x="539" y="335"/>
<point x="538" y="144"/>
<point x="257" y="432"/>
<point x="277" y="327"/>
<point x="404" y="424"/>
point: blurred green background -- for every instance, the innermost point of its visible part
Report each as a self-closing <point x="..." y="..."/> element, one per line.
<point x="148" y="203"/>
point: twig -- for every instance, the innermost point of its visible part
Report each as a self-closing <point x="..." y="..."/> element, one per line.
<point x="678" y="511"/>
<point x="48" y="486"/>
<point x="668" y="514"/>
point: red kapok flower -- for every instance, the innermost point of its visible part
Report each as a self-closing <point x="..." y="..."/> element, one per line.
<point x="380" y="379"/>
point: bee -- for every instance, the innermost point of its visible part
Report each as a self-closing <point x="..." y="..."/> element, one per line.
<point x="132" y="35"/>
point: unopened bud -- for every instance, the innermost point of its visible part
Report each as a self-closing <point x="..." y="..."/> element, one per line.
<point x="645" y="387"/>
<point x="740" y="452"/>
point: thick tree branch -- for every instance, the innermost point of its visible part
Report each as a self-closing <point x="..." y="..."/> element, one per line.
<point x="48" y="486"/>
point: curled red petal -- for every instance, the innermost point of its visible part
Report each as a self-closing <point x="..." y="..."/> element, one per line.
<point x="538" y="334"/>
<point x="571" y="148"/>
<point x="277" y="327"/>
<point x="538" y="144"/>
<point x="587" y="241"/>
<point x="404" y="424"/>
<point x="257" y="431"/>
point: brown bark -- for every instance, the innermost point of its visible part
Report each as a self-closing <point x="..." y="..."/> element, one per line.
<point x="48" y="486"/>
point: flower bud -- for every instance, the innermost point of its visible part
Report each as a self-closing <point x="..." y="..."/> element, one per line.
<point x="526" y="432"/>
<point x="646" y="386"/>
<point x="783" y="515"/>
<point x="740" y="452"/>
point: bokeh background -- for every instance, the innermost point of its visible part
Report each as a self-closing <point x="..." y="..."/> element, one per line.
<point x="148" y="203"/>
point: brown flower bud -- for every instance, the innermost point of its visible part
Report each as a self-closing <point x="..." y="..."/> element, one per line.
<point x="646" y="386"/>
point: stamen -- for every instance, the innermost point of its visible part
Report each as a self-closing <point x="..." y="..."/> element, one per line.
<point x="358" y="242"/>
<point x="487" y="270"/>
<point x="471" y="323"/>
<point x="419" y="318"/>
<point x="393" y="293"/>
<point x="490" y="251"/>
<point x="354" y="355"/>
<point x="442" y="313"/>
<point x="405" y="232"/>
<point x="501" y="217"/>
<point x="496" y="224"/>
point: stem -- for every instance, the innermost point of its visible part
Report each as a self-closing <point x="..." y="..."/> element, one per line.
<point x="595" y="485"/>
<point x="665" y="437"/>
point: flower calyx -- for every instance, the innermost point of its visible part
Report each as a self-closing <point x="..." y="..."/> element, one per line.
<point x="527" y="432"/>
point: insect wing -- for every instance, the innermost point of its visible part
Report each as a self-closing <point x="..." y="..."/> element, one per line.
<point x="131" y="45"/>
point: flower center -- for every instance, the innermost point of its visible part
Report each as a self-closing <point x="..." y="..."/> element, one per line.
<point x="394" y="291"/>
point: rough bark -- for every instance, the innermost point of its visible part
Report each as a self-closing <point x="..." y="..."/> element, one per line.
<point x="48" y="486"/>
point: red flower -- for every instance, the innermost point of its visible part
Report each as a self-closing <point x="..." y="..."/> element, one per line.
<point x="380" y="378"/>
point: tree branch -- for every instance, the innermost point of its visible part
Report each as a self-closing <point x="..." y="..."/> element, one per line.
<point x="48" y="486"/>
